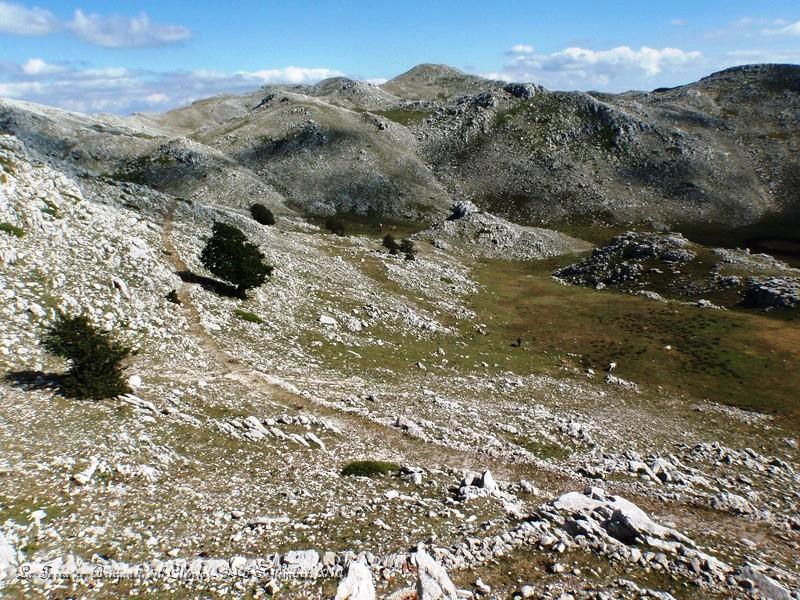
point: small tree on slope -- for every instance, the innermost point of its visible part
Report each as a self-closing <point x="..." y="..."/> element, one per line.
<point x="230" y="256"/>
<point x="94" y="358"/>
<point x="407" y="248"/>
<point x="262" y="214"/>
<point x="391" y="244"/>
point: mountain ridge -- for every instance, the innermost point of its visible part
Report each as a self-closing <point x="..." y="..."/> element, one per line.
<point x="720" y="150"/>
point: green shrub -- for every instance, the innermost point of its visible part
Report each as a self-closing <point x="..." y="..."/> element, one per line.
<point x="369" y="468"/>
<point x="335" y="226"/>
<point x="94" y="358"/>
<point x="229" y="255"/>
<point x="51" y="209"/>
<point x="172" y="296"/>
<point x="12" y="229"/>
<point x="248" y="316"/>
<point x="261" y="214"/>
<point x="391" y="244"/>
<point x="407" y="248"/>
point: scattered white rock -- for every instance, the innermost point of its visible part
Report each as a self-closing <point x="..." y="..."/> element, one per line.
<point x="357" y="584"/>
<point x="328" y="321"/>
<point x="432" y="580"/>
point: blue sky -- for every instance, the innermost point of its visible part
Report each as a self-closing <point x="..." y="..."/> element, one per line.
<point x="126" y="56"/>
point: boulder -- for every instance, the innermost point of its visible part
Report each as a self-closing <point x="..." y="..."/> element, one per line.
<point x="524" y="91"/>
<point x="487" y="481"/>
<point x="766" y="586"/>
<point x="732" y="503"/>
<point x="432" y="580"/>
<point x="8" y="559"/>
<point x="357" y="584"/>
<point x="627" y="522"/>
<point x="120" y="285"/>
<point x="328" y="321"/>
<point x="301" y="559"/>
<point x="85" y="476"/>
<point x="575" y="502"/>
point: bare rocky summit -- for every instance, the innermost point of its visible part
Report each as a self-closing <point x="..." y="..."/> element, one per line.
<point x="719" y="150"/>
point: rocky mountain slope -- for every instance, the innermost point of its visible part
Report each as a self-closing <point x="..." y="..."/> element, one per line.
<point x="460" y="425"/>
<point x="722" y="150"/>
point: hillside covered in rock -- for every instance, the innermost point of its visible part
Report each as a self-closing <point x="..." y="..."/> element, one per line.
<point x="722" y="150"/>
<point x="429" y="393"/>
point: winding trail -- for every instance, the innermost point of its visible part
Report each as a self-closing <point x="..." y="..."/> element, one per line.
<point x="380" y="436"/>
<point x="421" y="452"/>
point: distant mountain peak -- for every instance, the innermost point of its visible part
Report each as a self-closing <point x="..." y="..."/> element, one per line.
<point x="430" y="81"/>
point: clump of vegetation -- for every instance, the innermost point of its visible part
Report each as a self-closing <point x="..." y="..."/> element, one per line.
<point x="261" y="214"/>
<point x="172" y="296"/>
<point x="391" y="244"/>
<point x="248" y="316"/>
<point x="51" y="209"/>
<point x="335" y="226"/>
<point x="12" y="229"/>
<point x="369" y="468"/>
<point x="408" y="249"/>
<point x="95" y="359"/>
<point x="229" y="255"/>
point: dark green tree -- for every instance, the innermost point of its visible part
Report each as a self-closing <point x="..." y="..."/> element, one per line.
<point x="94" y="358"/>
<point x="391" y="244"/>
<point x="335" y="226"/>
<point x="229" y="255"/>
<point x="407" y="248"/>
<point x="262" y="214"/>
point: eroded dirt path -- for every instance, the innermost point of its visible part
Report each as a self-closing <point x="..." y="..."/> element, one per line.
<point x="419" y="452"/>
<point x="380" y="436"/>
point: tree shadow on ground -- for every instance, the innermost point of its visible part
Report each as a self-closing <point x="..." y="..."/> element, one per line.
<point x="36" y="380"/>
<point x="212" y="285"/>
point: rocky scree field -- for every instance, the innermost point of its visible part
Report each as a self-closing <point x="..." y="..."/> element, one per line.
<point x="361" y="426"/>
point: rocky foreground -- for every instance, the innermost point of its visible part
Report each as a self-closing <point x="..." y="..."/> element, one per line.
<point x="222" y="473"/>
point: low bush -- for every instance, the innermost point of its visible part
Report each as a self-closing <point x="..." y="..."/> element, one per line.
<point x="12" y="229"/>
<point x="173" y="297"/>
<point x="335" y="226"/>
<point x="369" y="468"/>
<point x="407" y="248"/>
<point x="51" y="209"/>
<point x="261" y="214"/>
<point x="391" y="244"/>
<point x="94" y="358"/>
<point x="248" y="316"/>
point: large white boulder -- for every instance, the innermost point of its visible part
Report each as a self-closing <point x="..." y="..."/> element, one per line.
<point x="432" y="580"/>
<point x="8" y="560"/>
<point x="357" y="584"/>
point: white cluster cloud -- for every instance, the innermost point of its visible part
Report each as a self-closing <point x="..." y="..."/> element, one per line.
<point x="521" y="49"/>
<point x="120" y="90"/>
<point x="36" y="66"/>
<point x="19" y="20"/>
<point x="108" y="31"/>
<point x="753" y="27"/>
<point x="790" y="29"/>
<point x="580" y="68"/>
<point x="288" y="75"/>
<point x="122" y="32"/>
